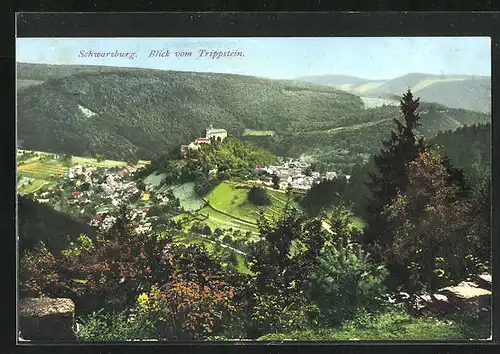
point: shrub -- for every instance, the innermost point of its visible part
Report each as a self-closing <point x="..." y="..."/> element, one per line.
<point x="99" y="158"/>
<point x="67" y="160"/>
<point x="110" y="271"/>
<point x="187" y="307"/>
<point x="274" y="314"/>
<point x="345" y="281"/>
<point x="115" y="326"/>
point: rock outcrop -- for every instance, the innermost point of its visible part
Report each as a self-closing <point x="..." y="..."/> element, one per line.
<point x="484" y="281"/>
<point x="46" y="319"/>
<point x="465" y="298"/>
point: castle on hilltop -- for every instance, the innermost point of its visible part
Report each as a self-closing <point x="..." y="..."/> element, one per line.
<point x="211" y="132"/>
<point x="217" y="133"/>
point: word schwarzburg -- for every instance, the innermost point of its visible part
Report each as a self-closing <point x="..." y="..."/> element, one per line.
<point x="115" y="54"/>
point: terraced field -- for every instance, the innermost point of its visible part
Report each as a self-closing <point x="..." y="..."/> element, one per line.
<point x="220" y="220"/>
<point x="41" y="170"/>
<point x="229" y="209"/>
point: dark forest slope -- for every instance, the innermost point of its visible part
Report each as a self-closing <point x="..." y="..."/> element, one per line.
<point x="142" y="113"/>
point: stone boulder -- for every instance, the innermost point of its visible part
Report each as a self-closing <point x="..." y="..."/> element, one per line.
<point x="484" y="281"/>
<point x="47" y="319"/>
<point x="437" y="305"/>
<point x="467" y="297"/>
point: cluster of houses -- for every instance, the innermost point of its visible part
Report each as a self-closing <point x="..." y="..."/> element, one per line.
<point x="292" y="174"/>
<point x="107" y="190"/>
<point x="211" y="132"/>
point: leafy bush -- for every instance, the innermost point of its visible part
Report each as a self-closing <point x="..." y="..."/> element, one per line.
<point x="346" y="281"/>
<point x="187" y="307"/>
<point x="115" y="326"/>
<point x="67" y="160"/>
<point x="104" y="273"/>
<point x="99" y="157"/>
<point x="274" y="314"/>
<point x="110" y="271"/>
<point x="285" y="255"/>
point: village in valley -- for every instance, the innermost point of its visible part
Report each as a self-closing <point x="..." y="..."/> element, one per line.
<point x="97" y="192"/>
<point x="292" y="173"/>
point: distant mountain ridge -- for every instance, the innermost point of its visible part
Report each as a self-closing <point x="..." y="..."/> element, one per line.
<point x="454" y="91"/>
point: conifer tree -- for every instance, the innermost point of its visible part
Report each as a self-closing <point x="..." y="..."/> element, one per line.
<point x="392" y="176"/>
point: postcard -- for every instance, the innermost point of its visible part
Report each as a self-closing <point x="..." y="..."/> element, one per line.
<point x="253" y="188"/>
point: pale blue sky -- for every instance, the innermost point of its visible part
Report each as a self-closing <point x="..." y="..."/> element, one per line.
<point x="279" y="58"/>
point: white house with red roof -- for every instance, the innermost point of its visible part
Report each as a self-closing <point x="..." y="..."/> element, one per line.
<point x="202" y="141"/>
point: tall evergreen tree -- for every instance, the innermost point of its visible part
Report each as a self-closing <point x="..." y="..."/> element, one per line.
<point x="401" y="148"/>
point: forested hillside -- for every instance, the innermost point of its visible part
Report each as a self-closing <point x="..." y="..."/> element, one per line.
<point x="467" y="147"/>
<point x="141" y="113"/>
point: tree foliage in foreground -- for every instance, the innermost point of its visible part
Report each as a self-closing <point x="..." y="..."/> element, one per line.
<point x="258" y="196"/>
<point x="288" y="249"/>
<point x="432" y="222"/>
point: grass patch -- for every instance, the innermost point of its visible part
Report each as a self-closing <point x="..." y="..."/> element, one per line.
<point x="154" y="179"/>
<point x="87" y="161"/>
<point x="229" y="209"/>
<point x="114" y="326"/>
<point x="358" y="223"/>
<point x="187" y="196"/>
<point x="35" y="186"/>
<point x="253" y="132"/>
<point x="230" y="200"/>
<point x="395" y="325"/>
<point x="241" y="266"/>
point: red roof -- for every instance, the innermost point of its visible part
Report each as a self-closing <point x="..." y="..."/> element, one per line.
<point x="260" y="166"/>
<point x="76" y="193"/>
<point x="202" y="139"/>
<point x="323" y="175"/>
